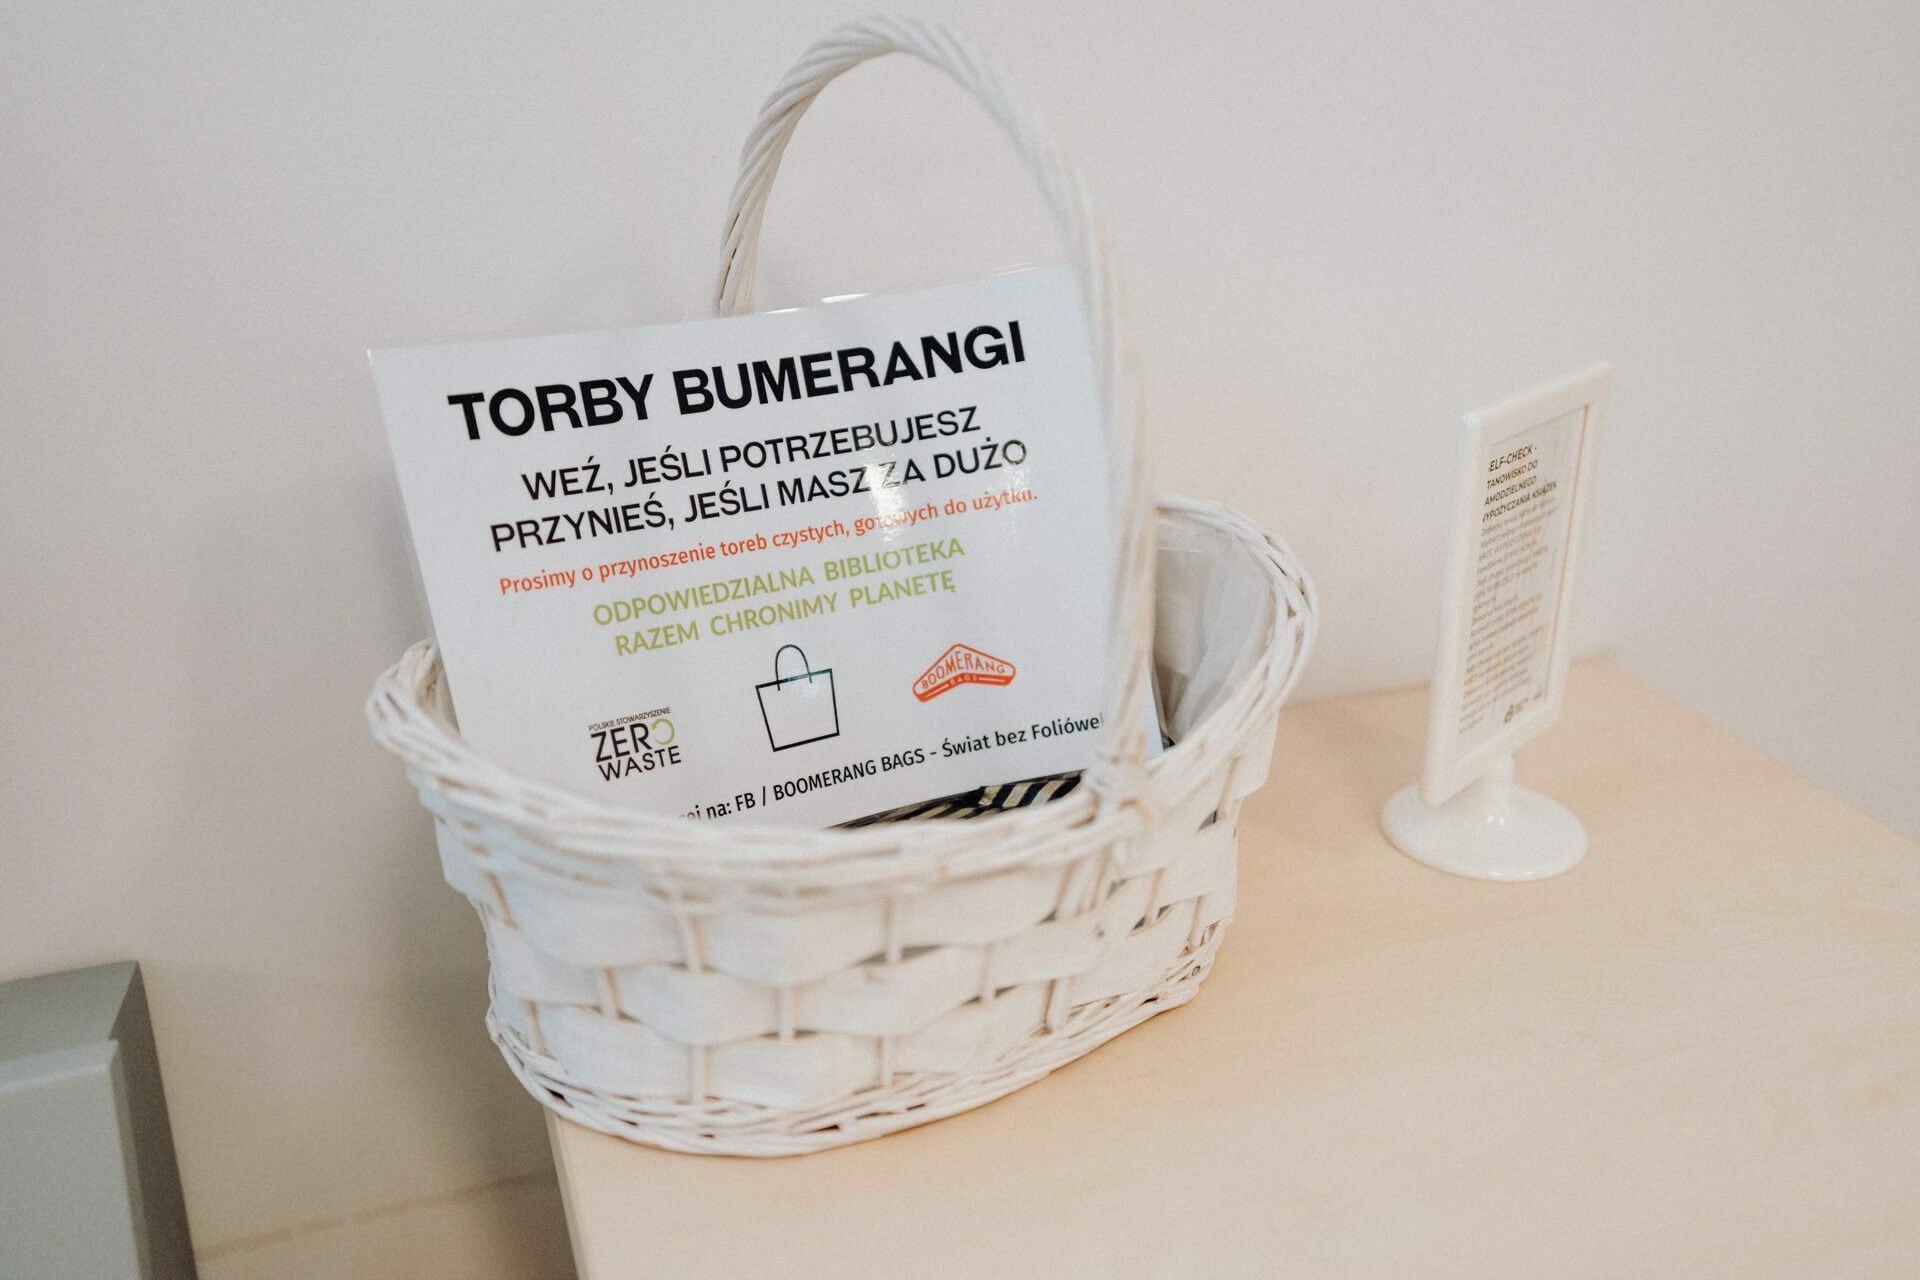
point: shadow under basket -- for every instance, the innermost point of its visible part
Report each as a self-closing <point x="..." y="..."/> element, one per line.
<point x="752" y="991"/>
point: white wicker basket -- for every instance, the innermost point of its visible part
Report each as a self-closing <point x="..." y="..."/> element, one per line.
<point x="755" y="991"/>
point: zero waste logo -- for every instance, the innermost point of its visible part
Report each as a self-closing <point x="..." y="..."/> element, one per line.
<point x="635" y="744"/>
<point x="962" y="664"/>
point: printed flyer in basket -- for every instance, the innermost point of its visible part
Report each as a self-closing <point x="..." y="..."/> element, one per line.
<point x="796" y="567"/>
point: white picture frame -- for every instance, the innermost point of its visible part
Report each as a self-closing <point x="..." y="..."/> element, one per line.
<point x="1461" y="746"/>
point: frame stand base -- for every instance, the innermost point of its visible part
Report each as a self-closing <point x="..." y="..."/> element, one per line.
<point x="1492" y="830"/>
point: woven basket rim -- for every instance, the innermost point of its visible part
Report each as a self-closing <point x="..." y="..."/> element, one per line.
<point x="403" y="712"/>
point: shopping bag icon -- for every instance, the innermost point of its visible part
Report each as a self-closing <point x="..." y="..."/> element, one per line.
<point x="798" y="709"/>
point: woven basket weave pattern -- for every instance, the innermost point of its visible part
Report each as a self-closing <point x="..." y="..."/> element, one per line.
<point x="763" y="1007"/>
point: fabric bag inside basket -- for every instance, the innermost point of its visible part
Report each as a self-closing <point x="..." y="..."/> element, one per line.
<point x="981" y="801"/>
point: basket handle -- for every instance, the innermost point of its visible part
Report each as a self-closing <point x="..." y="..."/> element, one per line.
<point x="1116" y="774"/>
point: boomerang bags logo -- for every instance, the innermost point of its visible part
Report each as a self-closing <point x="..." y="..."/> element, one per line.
<point x="962" y="664"/>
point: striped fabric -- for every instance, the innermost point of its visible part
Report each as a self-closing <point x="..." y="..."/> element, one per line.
<point x="982" y="801"/>
<point x="978" y="802"/>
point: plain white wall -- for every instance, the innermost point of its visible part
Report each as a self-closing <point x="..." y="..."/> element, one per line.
<point x="1344" y="223"/>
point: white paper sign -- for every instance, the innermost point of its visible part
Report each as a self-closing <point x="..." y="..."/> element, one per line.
<point x="795" y="567"/>
<point x="1501" y="675"/>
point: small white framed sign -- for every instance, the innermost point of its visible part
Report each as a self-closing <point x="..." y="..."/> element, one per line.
<point x="1519" y="521"/>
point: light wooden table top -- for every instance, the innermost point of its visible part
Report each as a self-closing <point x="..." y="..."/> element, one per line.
<point x="1698" y="1054"/>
